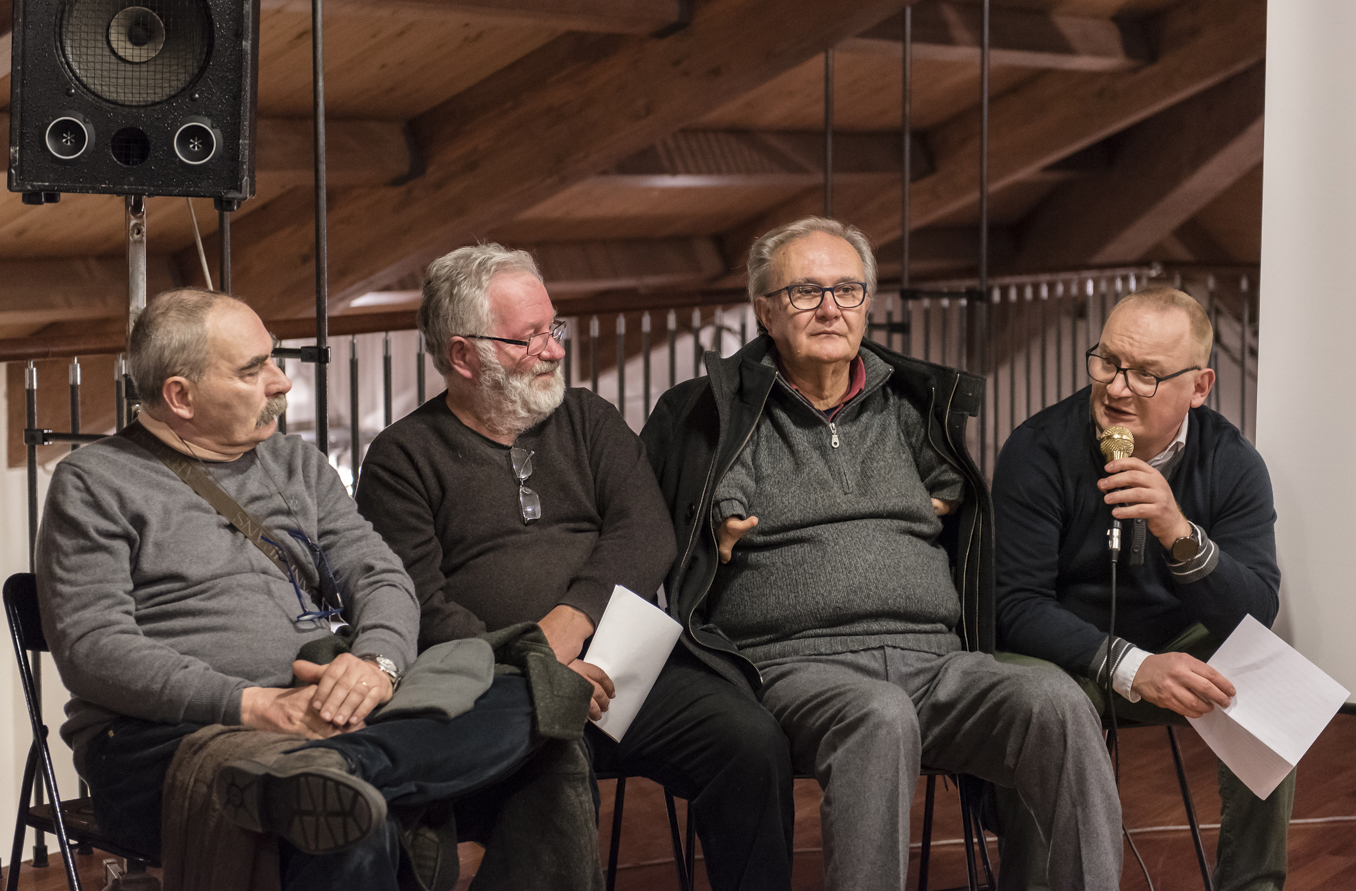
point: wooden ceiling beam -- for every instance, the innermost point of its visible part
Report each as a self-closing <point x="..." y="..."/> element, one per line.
<point x="950" y="32"/>
<point x="563" y="113"/>
<point x="356" y="152"/>
<point x="601" y="16"/>
<point x="40" y="292"/>
<point x="1167" y="170"/>
<point x="714" y="158"/>
<point x="1048" y="118"/>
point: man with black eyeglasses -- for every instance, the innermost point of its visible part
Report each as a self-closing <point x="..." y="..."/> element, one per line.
<point x="189" y="572"/>
<point x="1198" y="555"/>
<point x="511" y="498"/>
<point x="836" y="559"/>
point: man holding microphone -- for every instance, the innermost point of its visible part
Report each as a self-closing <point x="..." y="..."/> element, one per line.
<point x="1197" y="555"/>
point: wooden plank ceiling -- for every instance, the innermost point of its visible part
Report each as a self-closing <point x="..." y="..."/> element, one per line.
<point x="638" y="146"/>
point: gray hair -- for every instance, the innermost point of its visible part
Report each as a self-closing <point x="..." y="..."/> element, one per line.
<point x="169" y="340"/>
<point x="765" y="249"/>
<point x="456" y="294"/>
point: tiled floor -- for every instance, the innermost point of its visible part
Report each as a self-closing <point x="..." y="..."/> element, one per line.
<point x="1322" y="838"/>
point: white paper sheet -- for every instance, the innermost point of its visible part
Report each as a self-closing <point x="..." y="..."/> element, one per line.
<point x="1284" y="701"/>
<point x="632" y="642"/>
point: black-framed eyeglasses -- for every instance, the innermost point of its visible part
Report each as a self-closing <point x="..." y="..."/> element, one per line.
<point x="1140" y="382"/>
<point x="848" y="295"/>
<point x="329" y="592"/>
<point x="536" y="344"/>
<point x="528" y="501"/>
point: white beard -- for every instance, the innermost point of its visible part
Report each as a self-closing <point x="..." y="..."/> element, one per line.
<point x="510" y="402"/>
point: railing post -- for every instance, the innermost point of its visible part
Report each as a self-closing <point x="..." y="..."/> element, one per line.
<point x="697" y="343"/>
<point x="387" y="395"/>
<point x="673" y="347"/>
<point x="353" y="430"/>
<point x="419" y="371"/>
<point x="645" y="366"/>
<point x="621" y="364"/>
<point x="593" y="353"/>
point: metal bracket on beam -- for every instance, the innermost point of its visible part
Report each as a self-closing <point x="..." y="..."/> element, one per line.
<point x="311" y="354"/>
<point x="36" y="436"/>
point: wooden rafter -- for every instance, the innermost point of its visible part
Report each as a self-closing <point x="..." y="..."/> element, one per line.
<point x="576" y="107"/>
<point x="602" y="16"/>
<point x="950" y="32"/>
<point x="1168" y="169"/>
<point x="1051" y="117"/>
<point x="706" y="158"/>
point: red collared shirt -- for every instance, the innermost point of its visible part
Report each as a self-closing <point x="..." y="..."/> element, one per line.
<point x="856" y="384"/>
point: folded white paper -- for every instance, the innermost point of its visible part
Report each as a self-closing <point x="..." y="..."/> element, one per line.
<point x="632" y="642"/>
<point x="1283" y="703"/>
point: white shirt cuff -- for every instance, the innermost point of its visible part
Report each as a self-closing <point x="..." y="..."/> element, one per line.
<point x="1124" y="676"/>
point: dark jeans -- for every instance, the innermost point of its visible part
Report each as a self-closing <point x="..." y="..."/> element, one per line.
<point x="712" y="743"/>
<point x="411" y="761"/>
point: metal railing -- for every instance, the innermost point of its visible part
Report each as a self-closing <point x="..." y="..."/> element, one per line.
<point x="1027" y="339"/>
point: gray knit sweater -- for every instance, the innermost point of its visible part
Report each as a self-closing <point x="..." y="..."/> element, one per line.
<point x="155" y="608"/>
<point x="844" y="556"/>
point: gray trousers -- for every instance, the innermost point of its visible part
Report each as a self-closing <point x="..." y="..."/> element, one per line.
<point x="862" y="724"/>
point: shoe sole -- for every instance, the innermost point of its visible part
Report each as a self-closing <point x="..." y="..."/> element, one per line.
<point x="318" y="810"/>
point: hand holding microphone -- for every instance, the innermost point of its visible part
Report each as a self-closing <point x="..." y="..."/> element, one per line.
<point x="1137" y="491"/>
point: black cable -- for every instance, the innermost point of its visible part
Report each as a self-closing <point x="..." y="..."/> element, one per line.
<point x="1113" y="742"/>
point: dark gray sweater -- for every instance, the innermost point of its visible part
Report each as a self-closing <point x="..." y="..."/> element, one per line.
<point x="844" y="556"/>
<point x="156" y="609"/>
<point x="446" y="500"/>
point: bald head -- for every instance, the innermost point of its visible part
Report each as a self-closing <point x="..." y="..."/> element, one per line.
<point x="1164" y="299"/>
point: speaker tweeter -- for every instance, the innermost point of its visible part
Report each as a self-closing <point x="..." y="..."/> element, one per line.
<point x="196" y="142"/>
<point x="68" y="137"/>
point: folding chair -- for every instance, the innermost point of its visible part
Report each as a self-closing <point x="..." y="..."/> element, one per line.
<point x="73" y="821"/>
<point x="1188" y="804"/>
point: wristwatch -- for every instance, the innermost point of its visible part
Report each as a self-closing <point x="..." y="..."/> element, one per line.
<point x="1186" y="547"/>
<point x="387" y="667"/>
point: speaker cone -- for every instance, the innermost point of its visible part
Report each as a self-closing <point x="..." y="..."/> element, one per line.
<point x="136" y="52"/>
<point x="136" y="34"/>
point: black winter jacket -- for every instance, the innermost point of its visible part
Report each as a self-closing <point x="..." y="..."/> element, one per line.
<point x="698" y="429"/>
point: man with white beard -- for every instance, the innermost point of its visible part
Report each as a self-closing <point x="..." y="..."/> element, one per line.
<point x="510" y="499"/>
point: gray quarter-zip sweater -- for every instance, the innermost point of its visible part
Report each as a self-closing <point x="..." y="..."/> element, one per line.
<point x="845" y="554"/>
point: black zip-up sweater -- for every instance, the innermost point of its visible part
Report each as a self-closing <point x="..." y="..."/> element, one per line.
<point x="1053" y="568"/>
<point x="699" y="428"/>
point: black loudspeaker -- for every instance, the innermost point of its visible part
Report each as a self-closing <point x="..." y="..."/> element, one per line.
<point x="133" y="97"/>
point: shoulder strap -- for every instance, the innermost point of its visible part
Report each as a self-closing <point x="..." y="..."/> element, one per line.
<point x="197" y="479"/>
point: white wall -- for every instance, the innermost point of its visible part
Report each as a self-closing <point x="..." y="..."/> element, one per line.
<point x="1305" y="421"/>
<point x="15" y="735"/>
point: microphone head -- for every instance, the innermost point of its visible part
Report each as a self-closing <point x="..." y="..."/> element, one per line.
<point x="1116" y="443"/>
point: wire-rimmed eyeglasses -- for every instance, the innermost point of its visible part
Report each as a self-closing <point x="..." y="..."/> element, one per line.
<point x="329" y="585"/>
<point x="848" y="295"/>
<point x="528" y="501"/>
<point x="536" y="344"/>
<point x="1140" y="382"/>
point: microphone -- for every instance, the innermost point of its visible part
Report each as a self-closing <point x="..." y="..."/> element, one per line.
<point x="1115" y="443"/>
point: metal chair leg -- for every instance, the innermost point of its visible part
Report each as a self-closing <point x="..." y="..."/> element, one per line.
<point x="972" y="875"/>
<point x="618" y="802"/>
<point x="679" y="859"/>
<point x="984" y="854"/>
<point x="691" y="847"/>
<point x="21" y="821"/>
<point x="1190" y="810"/>
<point x="925" y="852"/>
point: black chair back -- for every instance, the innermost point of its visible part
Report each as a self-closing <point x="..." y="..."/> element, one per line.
<point x="21" y="608"/>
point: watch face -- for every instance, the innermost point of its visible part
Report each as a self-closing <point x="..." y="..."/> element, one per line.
<point x="1183" y="549"/>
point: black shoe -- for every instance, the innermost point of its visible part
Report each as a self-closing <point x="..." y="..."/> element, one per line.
<point x="307" y="797"/>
